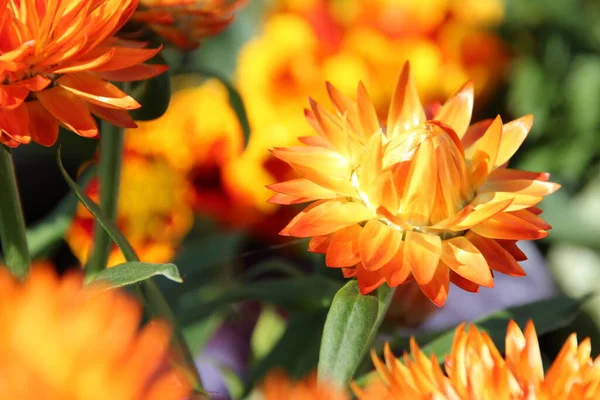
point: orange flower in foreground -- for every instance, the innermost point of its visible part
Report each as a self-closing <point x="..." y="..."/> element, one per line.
<point x="60" y="340"/>
<point x="55" y="59"/>
<point x="154" y="212"/>
<point x="475" y="369"/>
<point x="278" y="386"/>
<point x="424" y="196"/>
<point x="185" y="23"/>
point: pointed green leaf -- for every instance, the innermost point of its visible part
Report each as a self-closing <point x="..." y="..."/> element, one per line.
<point x="347" y="333"/>
<point x="132" y="272"/>
<point x="93" y="208"/>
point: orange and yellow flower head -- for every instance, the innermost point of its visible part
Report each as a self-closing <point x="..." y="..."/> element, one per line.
<point x="154" y="212"/>
<point x="277" y="385"/>
<point x="185" y="23"/>
<point x="62" y="340"/>
<point x="56" y="58"/>
<point x="423" y="195"/>
<point x="475" y="369"/>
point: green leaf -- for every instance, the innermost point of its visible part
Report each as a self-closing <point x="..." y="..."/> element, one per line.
<point x="236" y="101"/>
<point x="45" y="236"/>
<point x="347" y="333"/>
<point x="132" y="272"/>
<point x="93" y="208"/>
<point x="296" y="352"/>
<point x="267" y="332"/>
<point x="300" y="294"/>
<point x="153" y="94"/>
<point x="547" y="315"/>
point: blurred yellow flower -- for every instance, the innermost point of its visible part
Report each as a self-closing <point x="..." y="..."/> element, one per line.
<point x="475" y="369"/>
<point x="278" y="386"/>
<point x="426" y="195"/>
<point x="61" y="340"/>
<point x="154" y="212"/>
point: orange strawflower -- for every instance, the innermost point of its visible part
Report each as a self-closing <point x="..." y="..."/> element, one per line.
<point x="55" y="59"/>
<point x="475" y="369"/>
<point x="185" y="23"/>
<point x="154" y="212"/>
<point x="424" y="195"/>
<point x="62" y="340"/>
<point x="277" y="385"/>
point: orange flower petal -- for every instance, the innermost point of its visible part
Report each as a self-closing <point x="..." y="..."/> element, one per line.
<point x="508" y="226"/>
<point x="43" y="127"/>
<point x="463" y="283"/>
<point x="343" y="250"/>
<point x="520" y="186"/>
<point x="69" y="110"/>
<point x="397" y="271"/>
<point x="344" y="106"/>
<point x="97" y="91"/>
<point x="378" y="244"/>
<point x="517" y="201"/>
<point x="513" y="135"/>
<point x="422" y="252"/>
<point x="516" y="174"/>
<point x="368" y="280"/>
<point x="12" y="96"/>
<point x="286" y="199"/>
<point x="125" y="57"/>
<point x="15" y="124"/>
<point x="496" y="256"/>
<point x="481" y="213"/>
<point x="456" y="112"/>
<point x="303" y="188"/>
<point x="406" y="110"/>
<point x="138" y="72"/>
<point x="116" y="117"/>
<point x="329" y="217"/>
<point x="319" y="244"/>
<point x="460" y="255"/>
<point x="475" y="132"/>
<point x="483" y="153"/>
<point x="366" y="112"/>
<point x="437" y="289"/>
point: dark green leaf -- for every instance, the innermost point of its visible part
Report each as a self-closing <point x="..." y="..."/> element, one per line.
<point x="93" y="208"/>
<point x="302" y="294"/>
<point x="153" y="94"/>
<point x="296" y="352"/>
<point x="133" y="272"/>
<point x="347" y="333"/>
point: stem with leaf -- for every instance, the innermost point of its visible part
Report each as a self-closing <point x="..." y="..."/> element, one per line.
<point x="109" y="176"/>
<point x="12" y="223"/>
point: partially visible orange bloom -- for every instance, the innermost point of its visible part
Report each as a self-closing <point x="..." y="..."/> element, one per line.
<point x="154" y="212"/>
<point x="475" y="369"/>
<point x="61" y="340"/>
<point x="204" y="142"/>
<point x="425" y="195"/>
<point x="185" y="23"/>
<point x="56" y="58"/>
<point x="278" y="386"/>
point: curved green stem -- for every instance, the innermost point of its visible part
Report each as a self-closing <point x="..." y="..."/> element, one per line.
<point x="109" y="176"/>
<point x="12" y="223"/>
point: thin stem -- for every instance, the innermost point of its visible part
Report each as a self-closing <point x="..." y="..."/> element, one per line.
<point x="109" y="176"/>
<point x="12" y="223"/>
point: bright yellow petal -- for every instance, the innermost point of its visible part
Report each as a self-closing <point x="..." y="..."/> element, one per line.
<point x="406" y="110"/>
<point x="482" y="154"/>
<point x="378" y="244"/>
<point x="513" y="135"/>
<point x="456" y="112"/>
<point x="422" y="252"/>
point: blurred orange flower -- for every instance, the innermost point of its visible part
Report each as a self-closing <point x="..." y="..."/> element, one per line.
<point x="62" y="340"/>
<point x="278" y="386"/>
<point x="424" y="196"/>
<point x="55" y="60"/>
<point x="476" y="369"/>
<point x="154" y="212"/>
<point x="185" y="23"/>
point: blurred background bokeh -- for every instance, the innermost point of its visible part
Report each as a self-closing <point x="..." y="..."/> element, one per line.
<point x="193" y="181"/>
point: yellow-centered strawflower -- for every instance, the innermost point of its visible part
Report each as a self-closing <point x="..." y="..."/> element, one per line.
<point x="423" y="195"/>
<point x="475" y="369"/>
<point x="62" y="340"/>
<point x="56" y="58"/>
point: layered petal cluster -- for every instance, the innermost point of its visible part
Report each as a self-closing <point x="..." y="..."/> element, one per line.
<point x="278" y="386"/>
<point x="423" y="195"/>
<point x="61" y="340"/>
<point x="475" y="369"/>
<point x="185" y="23"/>
<point x="56" y="58"/>
<point x="154" y="212"/>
